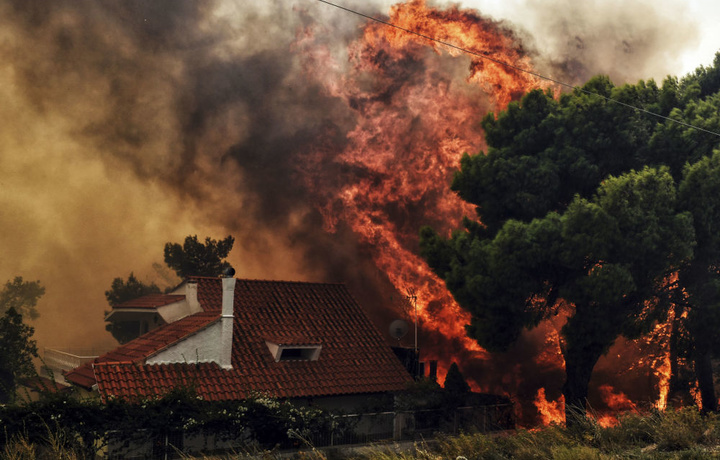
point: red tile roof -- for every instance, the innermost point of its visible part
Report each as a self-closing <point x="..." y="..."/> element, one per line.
<point x="151" y="301"/>
<point x="354" y="357"/>
<point x="137" y="350"/>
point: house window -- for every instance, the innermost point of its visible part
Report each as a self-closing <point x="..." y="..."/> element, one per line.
<point x="288" y="352"/>
<point x="295" y="354"/>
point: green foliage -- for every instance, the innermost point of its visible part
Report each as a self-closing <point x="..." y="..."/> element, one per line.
<point x="680" y="430"/>
<point x="577" y="203"/>
<point x="577" y="453"/>
<point x="699" y="193"/>
<point x="704" y="81"/>
<point x="424" y="393"/>
<point x="194" y="258"/>
<point x="50" y="432"/>
<point x="85" y="426"/>
<point x="22" y="296"/>
<point x="605" y="255"/>
<point x="17" y="349"/>
<point x="633" y="430"/>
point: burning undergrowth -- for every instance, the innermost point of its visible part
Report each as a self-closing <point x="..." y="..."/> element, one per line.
<point x="322" y="141"/>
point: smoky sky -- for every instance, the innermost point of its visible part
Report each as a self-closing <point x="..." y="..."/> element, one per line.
<point x="126" y="125"/>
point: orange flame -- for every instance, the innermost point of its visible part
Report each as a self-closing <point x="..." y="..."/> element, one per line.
<point x="617" y="402"/>
<point x="663" y="374"/>
<point x="413" y="118"/>
<point x="696" y="396"/>
<point x="414" y="122"/>
<point x="550" y="411"/>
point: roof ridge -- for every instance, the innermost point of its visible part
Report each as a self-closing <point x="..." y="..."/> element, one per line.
<point x="153" y="298"/>
<point x="265" y="280"/>
<point x="114" y="363"/>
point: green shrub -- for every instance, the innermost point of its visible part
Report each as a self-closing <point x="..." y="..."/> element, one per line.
<point x="680" y="430"/>
<point x="577" y="453"/>
<point x="632" y="430"/>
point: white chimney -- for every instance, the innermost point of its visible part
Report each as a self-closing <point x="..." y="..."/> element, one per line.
<point x="226" y="319"/>
<point x="191" y="296"/>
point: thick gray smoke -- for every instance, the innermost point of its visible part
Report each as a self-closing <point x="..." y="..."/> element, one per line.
<point x="129" y="124"/>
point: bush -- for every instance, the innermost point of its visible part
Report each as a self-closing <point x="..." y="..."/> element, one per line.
<point x="62" y="422"/>
<point x="632" y="430"/>
<point x="680" y="430"/>
<point x="577" y="453"/>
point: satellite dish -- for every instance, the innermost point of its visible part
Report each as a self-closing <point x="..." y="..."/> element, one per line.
<point x="399" y="328"/>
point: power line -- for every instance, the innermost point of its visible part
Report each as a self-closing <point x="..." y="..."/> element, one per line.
<point x="520" y="69"/>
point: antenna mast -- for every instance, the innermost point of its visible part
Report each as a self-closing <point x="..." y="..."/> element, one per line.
<point x="412" y="298"/>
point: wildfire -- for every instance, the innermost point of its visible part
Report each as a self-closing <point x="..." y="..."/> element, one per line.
<point x="414" y="120"/>
<point x="468" y="31"/>
<point x="550" y="411"/>
<point x="659" y="360"/>
<point x="617" y="402"/>
<point x="416" y="108"/>
<point x="663" y="374"/>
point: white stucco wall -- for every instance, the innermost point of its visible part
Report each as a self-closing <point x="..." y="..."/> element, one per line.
<point x="202" y="347"/>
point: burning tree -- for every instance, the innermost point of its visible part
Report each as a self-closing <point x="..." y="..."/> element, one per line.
<point x="699" y="193"/>
<point x="578" y="210"/>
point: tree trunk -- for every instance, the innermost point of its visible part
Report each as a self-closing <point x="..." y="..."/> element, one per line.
<point x="704" y="374"/>
<point x="579" y="364"/>
<point x="588" y="334"/>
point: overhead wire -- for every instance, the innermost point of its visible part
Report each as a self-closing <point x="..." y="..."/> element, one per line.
<point x="519" y="69"/>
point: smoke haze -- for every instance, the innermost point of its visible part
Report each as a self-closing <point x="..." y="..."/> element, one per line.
<point x="126" y="125"/>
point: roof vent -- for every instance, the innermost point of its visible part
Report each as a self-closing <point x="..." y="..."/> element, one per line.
<point x="228" y="272"/>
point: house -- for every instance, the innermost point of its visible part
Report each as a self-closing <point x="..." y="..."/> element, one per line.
<point x="231" y="338"/>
